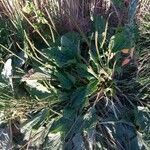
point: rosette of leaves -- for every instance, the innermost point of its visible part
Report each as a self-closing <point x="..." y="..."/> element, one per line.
<point x="81" y="84"/>
<point x="81" y="94"/>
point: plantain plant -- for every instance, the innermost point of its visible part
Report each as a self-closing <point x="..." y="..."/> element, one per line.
<point x="81" y="91"/>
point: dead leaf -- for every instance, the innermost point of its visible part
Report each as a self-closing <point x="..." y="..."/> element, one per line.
<point x="125" y="51"/>
<point x="126" y="61"/>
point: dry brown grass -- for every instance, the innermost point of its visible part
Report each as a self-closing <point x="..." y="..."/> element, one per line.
<point x="68" y="15"/>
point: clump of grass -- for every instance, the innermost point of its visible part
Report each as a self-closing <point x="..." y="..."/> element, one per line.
<point x="143" y="19"/>
<point x="72" y="15"/>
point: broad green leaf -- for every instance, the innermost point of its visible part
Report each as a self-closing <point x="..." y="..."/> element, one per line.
<point x="62" y="125"/>
<point x="82" y="71"/>
<point x="70" y="44"/>
<point x="71" y="78"/>
<point x="119" y="41"/>
<point x="59" y="57"/>
<point x="65" y="82"/>
<point x="78" y="97"/>
<point x="69" y="113"/>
